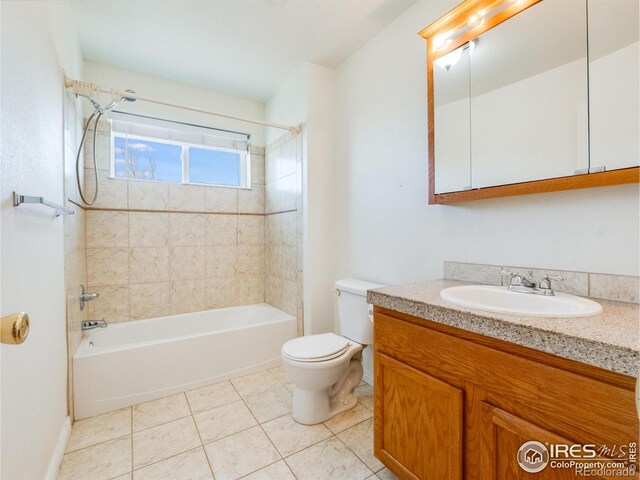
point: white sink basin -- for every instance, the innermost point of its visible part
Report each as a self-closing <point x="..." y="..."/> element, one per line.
<point x="500" y="300"/>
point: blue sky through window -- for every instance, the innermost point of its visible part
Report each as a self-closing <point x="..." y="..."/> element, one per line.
<point x="148" y="160"/>
<point x="214" y="166"/>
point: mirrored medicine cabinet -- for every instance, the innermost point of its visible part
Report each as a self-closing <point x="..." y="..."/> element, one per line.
<point x="530" y="96"/>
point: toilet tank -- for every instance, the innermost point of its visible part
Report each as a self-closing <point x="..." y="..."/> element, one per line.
<point x="353" y="310"/>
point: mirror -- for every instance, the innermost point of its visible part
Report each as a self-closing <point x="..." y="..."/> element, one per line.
<point x="614" y="84"/>
<point x="529" y="96"/>
<point x="452" y="121"/>
<point x="524" y="98"/>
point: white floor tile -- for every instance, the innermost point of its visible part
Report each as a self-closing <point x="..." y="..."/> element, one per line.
<point x="240" y="454"/>
<point x="289" y="436"/>
<point x="192" y="465"/>
<point x="223" y="421"/>
<point x="157" y="412"/>
<point x="328" y="460"/>
<point x="164" y="441"/>
<point x="101" y="428"/>
<point x="103" y="461"/>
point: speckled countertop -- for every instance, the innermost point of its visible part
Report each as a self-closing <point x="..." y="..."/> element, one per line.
<point x="609" y="340"/>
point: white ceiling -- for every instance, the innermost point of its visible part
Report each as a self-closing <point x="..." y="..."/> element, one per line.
<point x="239" y="47"/>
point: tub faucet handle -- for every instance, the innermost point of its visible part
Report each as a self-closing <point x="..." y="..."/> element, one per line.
<point x="86" y="296"/>
<point x="91" y="324"/>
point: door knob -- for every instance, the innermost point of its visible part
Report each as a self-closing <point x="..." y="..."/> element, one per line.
<point x="14" y="328"/>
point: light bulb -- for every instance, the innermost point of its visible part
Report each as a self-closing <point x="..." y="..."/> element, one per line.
<point x="450" y="59"/>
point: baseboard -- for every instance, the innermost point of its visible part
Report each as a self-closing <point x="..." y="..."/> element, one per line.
<point x="58" y="453"/>
<point x="367" y="378"/>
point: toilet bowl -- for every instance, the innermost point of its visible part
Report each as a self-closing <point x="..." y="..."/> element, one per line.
<point x="325" y="369"/>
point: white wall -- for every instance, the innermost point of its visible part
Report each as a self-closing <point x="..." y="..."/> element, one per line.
<point x="37" y="43"/>
<point x="156" y="87"/>
<point x="307" y="97"/>
<point x="387" y="232"/>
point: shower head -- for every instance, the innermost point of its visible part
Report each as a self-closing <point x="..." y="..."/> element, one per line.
<point x="91" y="91"/>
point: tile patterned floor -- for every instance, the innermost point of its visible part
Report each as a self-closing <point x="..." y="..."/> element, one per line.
<point x="235" y="429"/>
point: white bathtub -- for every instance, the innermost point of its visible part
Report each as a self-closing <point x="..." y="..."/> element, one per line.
<point x="133" y="362"/>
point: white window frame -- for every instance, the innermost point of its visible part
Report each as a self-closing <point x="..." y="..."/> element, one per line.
<point x="245" y="161"/>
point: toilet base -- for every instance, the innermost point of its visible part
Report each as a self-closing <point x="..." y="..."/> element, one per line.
<point x="311" y="407"/>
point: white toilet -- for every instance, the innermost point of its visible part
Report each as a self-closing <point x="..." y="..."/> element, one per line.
<point x="325" y="369"/>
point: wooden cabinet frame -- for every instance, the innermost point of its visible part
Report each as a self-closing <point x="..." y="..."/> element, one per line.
<point x="455" y="20"/>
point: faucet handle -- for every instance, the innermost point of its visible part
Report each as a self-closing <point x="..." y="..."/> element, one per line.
<point x="545" y="283"/>
<point x="505" y="273"/>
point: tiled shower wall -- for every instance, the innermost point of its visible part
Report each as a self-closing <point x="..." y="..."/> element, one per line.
<point x="74" y="244"/>
<point x="283" y="225"/>
<point x="157" y="248"/>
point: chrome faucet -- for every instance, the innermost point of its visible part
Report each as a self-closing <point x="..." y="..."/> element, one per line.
<point x="520" y="284"/>
<point x="86" y="296"/>
<point x="91" y="324"/>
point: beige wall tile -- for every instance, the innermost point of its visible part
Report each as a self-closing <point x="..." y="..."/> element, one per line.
<point x="273" y="291"/>
<point x="289" y="224"/>
<point x="186" y="230"/>
<point x="221" y="261"/>
<point x="107" y="229"/>
<point x="148" y="195"/>
<point x="274" y="260"/>
<point x="288" y="158"/>
<point x="272" y="166"/>
<point x="470" y="272"/>
<point x="107" y="266"/>
<point x="148" y="229"/>
<point x="112" y="192"/>
<point x="251" y="230"/>
<point x="253" y="200"/>
<point x="251" y="260"/>
<point x="221" y="199"/>
<point x="272" y="198"/>
<point x="620" y="288"/>
<point x="257" y="169"/>
<point x="222" y="229"/>
<point x="148" y="264"/>
<point x="289" y="302"/>
<point x="186" y="197"/>
<point x="149" y="300"/>
<point x="221" y="292"/>
<point x="187" y="296"/>
<point x="250" y="289"/>
<point x="273" y="229"/>
<point x="289" y="263"/>
<point x="112" y="304"/>
<point x="287" y="185"/>
<point x="187" y="263"/>
<point x="103" y="150"/>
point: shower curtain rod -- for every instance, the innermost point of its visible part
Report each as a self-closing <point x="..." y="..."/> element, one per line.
<point x="85" y="88"/>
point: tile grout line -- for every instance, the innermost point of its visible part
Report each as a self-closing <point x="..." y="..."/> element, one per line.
<point x="199" y="435"/>
<point x="263" y="430"/>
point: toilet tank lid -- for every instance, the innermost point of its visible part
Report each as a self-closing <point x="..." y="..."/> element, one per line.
<point x="353" y="285"/>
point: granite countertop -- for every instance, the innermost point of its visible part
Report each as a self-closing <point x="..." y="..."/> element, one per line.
<point x="609" y="340"/>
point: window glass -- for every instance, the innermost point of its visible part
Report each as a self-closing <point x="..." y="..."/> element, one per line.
<point x="214" y="166"/>
<point x="147" y="160"/>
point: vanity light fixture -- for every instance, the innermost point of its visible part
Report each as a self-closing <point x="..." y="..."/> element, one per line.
<point x="474" y="20"/>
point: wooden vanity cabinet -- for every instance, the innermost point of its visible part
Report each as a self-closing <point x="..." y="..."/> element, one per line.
<point x="450" y="404"/>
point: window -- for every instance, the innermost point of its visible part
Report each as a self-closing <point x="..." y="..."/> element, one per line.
<point x="151" y="149"/>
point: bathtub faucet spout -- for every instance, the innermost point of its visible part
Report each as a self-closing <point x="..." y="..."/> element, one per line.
<point x="91" y="324"/>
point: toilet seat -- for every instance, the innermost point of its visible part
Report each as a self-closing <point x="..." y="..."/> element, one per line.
<point x="316" y="348"/>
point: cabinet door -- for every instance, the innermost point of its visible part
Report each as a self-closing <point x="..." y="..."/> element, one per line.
<point x="504" y="435"/>
<point x="418" y="422"/>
